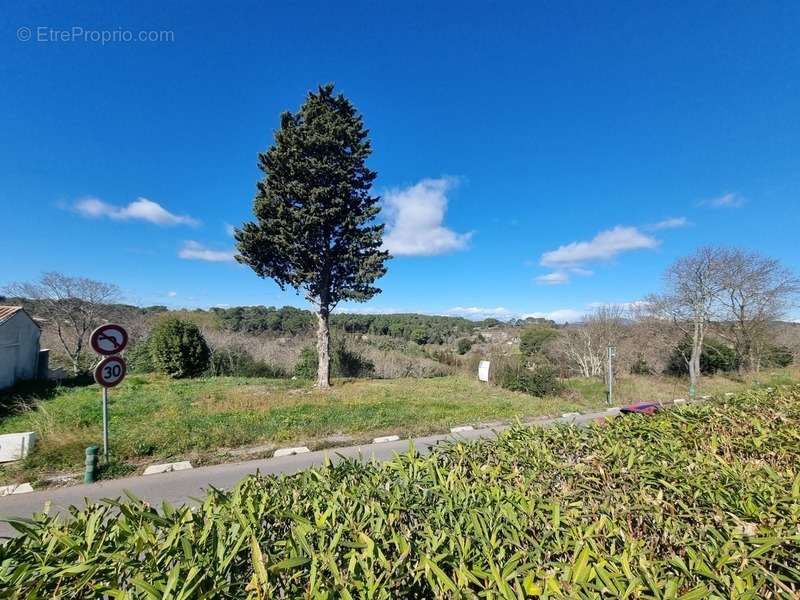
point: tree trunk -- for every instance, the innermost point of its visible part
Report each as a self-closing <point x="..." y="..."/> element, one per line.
<point x="323" y="350"/>
<point x="694" y="359"/>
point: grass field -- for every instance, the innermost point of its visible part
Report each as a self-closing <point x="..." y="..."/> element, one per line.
<point x="155" y="418"/>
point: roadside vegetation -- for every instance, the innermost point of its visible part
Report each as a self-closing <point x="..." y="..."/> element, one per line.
<point x="695" y="502"/>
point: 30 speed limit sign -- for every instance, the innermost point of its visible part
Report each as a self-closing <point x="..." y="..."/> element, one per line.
<point x="110" y="371"/>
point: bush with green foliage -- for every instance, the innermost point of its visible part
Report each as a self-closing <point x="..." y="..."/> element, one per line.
<point x="236" y="361"/>
<point x="778" y="356"/>
<point x="540" y="381"/>
<point x="700" y="502"/>
<point x="139" y="358"/>
<point x="178" y="349"/>
<point x="640" y="366"/>
<point x="533" y="339"/>
<point x="715" y="357"/>
<point x="344" y="362"/>
<point x="463" y="345"/>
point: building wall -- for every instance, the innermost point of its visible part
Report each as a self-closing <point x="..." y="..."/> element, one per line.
<point x="19" y="349"/>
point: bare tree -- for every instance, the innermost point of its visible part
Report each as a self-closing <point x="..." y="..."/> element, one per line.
<point x="72" y="306"/>
<point x="584" y="345"/>
<point x="690" y="302"/>
<point x="756" y="291"/>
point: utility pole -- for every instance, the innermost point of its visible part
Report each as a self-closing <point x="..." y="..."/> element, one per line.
<point x="612" y="352"/>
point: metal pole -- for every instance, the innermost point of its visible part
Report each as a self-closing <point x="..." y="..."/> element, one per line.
<point x="610" y="377"/>
<point x="105" y="425"/>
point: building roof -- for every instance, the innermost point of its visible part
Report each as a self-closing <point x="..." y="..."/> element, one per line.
<point x="6" y="312"/>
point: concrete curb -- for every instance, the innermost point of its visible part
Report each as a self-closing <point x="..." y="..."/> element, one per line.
<point x="15" y="488"/>
<point x="462" y="429"/>
<point x="386" y="438"/>
<point x="290" y="451"/>
<point x="168" y="467"/>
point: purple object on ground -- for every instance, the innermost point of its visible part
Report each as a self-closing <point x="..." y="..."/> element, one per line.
<point x="643" y="408"/>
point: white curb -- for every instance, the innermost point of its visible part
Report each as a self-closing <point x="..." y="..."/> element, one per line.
<point x="290" y="451"/>
<point x="168" y="467"/>
<point x="461" y="429"/>
<point x="16" y="446"/>
<point x="15" y="488"/>
<point x="570" y="415"/>
<point x="386" y="438"/>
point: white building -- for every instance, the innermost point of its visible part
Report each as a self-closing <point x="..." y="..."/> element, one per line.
<point x="19" y="346"/>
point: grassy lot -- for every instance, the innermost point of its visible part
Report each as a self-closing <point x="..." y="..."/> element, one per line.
<point x="155" y="418"/>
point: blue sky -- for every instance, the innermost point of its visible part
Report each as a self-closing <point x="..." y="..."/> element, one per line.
<point x="533" y="158"/>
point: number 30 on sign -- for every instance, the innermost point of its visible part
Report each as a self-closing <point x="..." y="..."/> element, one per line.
<point x="110" y="371"/>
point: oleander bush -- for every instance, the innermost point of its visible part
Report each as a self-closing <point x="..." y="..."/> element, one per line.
<point x="693" y="503"/>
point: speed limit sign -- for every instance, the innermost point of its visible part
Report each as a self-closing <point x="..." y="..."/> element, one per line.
<point x="110" y="371"/>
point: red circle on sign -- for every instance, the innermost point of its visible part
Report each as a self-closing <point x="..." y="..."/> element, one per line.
<point x="110" y="371"/>
<point x="109" y="339"/>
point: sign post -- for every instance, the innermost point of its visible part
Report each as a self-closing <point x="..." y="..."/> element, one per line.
<point x="612" y="352"/>
<point x="108" y="340"/>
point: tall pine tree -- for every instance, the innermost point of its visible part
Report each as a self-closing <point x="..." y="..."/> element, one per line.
<point x="314" y="227"/>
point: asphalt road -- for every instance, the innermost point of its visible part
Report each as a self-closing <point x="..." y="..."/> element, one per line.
<point x="182" y="487"/>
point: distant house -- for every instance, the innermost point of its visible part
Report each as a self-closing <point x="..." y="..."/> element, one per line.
<point x="19" y="346"/>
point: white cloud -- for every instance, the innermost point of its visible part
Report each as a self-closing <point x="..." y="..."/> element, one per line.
<point x="671" y="223"/>
<point x="554" y="278"/>
<point x="415" y="218"/>
<point x="729" y="200"/>
<point x="561" y="315"/>
<point x="140" y="209"/>
<point x="478" y="312"/>
<point x="370" y="310"/>
<point x="229" y="229"/>
<point x="172" y="294"/>
<point x="604" y="246"/>
<point x="192" y="250"/>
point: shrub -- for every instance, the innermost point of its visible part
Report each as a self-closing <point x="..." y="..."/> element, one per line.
<point x="533" y="339"/>
<point x="344" y="362"/>
<point x="637" y="508"/>
<point x="641" y="367"/>
<point x="420" y="336"/>
<point x="307" y="363"/>
<point x="715" y="357"/>
<point x="178" y="348"/>
<point x="778" y="356"/>
<point x="464" y="345"/>
<point x="236" y="361"/>
<point x="139" y="358"/>
<point x="540" y="381"/>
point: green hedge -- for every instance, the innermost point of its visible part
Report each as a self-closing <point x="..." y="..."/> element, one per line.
<point x="697" y="502"/>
